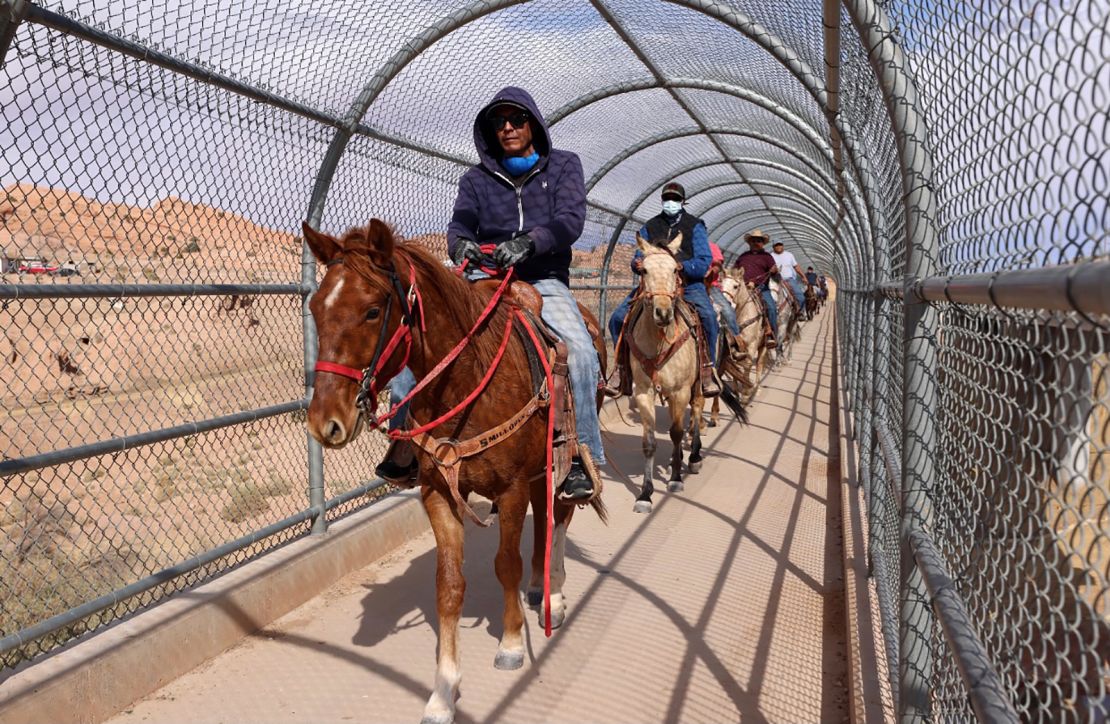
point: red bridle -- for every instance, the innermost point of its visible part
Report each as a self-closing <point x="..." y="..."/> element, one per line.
<point x="369" y="377"/>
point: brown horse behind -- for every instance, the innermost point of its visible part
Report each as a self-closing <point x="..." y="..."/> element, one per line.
<point x="348" y="309"/>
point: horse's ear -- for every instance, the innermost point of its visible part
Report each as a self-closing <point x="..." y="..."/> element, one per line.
<point x="674" y="246"/>
<point x="324" y="247"/>
<point x="642" y="243"/>
<point x="380" y="242"/>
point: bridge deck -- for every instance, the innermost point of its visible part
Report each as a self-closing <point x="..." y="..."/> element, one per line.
<point x="725" y="603"/>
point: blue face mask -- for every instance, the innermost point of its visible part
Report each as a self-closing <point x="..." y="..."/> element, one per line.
<point x="671" y="208"/>
<point x="520" y="165"/>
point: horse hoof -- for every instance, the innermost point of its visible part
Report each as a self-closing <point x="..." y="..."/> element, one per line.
<point x="509" y="660"/>
<point x="642" y="506"/>
<point x="695" y="467"/>
<point x="534" y="598"/>
<point x="676" y="486"/>
<point x="713" y="423"/>
<point x="557" y="619"/>
<point x="437" y="719"/>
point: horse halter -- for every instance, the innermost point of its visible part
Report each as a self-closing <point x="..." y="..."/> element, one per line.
<point x="367" y="398"/>
<point x="676" y="292"/>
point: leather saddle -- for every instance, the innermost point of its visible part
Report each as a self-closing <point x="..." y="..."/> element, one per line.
<point x="561" y="402"/>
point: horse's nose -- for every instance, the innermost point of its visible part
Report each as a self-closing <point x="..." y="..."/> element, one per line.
<point x="662" y="316"/>
<point x="334" y="432"/>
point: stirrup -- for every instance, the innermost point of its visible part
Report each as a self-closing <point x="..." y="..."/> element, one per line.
<point x="710" y="387"/>
<point x="391" y="470"/>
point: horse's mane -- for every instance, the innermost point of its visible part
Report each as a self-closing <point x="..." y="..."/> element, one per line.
<point x="445" y="293"/>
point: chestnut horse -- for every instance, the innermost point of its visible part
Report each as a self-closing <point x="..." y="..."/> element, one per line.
<point x="376" y="289"/>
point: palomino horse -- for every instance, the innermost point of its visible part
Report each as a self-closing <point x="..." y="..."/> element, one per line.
<point x="664" y="361"/>
<point x="754" y="355"/>
<point x="376" y="290"/>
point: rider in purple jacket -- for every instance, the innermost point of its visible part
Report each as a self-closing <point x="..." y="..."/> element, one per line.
<point x="529" y="200"/>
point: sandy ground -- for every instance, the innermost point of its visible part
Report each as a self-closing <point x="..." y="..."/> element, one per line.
<point x="723" y="604"/>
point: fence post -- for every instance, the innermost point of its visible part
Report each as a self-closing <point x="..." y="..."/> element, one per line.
<point x="316" y="497"/>
<point x="919" y="394"/>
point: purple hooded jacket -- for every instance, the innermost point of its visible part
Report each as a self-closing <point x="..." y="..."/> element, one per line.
<point x="548" y="203"/>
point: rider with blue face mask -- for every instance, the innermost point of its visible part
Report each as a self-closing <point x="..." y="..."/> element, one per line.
<point x="695" y="256"/>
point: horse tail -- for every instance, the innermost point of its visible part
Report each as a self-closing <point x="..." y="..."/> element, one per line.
<point x="599" y="507"/>
<point x="733" y="403"/>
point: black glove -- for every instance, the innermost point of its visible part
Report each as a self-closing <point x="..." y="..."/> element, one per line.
<point x="515" y="250"/>
<point x="467" y="249"/>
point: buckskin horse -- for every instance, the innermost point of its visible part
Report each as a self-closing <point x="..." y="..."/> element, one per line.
<point x="384" y="304"/>
<point x="664" y="361"/>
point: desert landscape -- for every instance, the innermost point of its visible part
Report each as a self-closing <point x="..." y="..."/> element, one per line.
<point x="79" y="371"/>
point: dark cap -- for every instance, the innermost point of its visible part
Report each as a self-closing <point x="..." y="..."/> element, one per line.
<point x="674" y="189"/>
<point x="504" y="104"/>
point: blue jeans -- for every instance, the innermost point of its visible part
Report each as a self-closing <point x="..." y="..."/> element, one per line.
<point x="724" y="306"/>
<point x="772" y="308"/>
<point x="795" y="285"/>
<point x="698" y="298"/>
<point x="400" y="386"/>
<point x="560" y="312"/>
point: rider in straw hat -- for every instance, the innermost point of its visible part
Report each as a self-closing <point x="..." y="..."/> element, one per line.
<point x="758" y="266"/>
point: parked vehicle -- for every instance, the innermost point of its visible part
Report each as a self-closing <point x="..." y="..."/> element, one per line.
<point x="36" y="266"/>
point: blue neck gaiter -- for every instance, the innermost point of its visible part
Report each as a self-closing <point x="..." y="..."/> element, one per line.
<point x="520" y="165"/>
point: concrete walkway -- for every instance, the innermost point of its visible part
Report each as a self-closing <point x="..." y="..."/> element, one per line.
<point x="725" y="603"/>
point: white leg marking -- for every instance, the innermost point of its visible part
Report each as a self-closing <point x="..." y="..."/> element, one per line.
<point x="441" y="706"/>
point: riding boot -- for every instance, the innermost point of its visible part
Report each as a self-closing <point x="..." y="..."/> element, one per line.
<point x="769" y="340"/>
<point x="735" y="350"/>
<point x="709" y="386"/>
<point x="577" y="485"/>
<point x="399" y="465"/>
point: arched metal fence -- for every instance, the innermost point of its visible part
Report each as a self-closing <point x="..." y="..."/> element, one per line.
<point x="947" y="163"/>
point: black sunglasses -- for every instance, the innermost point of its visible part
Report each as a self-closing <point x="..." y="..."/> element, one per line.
<point x="517" y="120"/>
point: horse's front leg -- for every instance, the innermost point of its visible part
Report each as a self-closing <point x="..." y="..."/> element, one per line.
<point x="715" y="413"/>
<point x="509" y="567"/>
<point x="563" y="515"/>
<point x="677" y="405"/>
<point x="697" y="406"/>
<point x="645" y="403"/>
<point x="450" y="588"/>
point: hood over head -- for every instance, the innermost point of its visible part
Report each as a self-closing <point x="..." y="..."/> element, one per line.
<point x="485" y="140"/>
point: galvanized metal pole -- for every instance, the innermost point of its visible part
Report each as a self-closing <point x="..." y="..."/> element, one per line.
<point x="920" y="391"/>
<point x="12" y="13"/>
